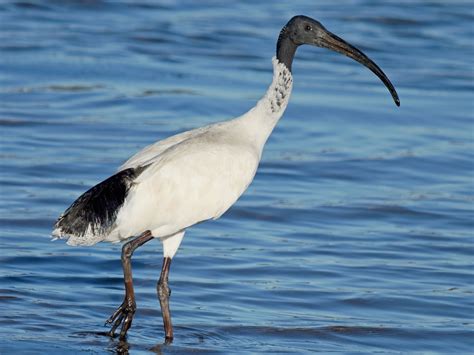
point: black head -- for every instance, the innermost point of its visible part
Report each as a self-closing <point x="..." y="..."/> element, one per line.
<point x="304" y="30"/>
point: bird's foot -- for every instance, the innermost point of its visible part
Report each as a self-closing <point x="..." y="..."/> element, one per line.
<point x="122" y="316"/>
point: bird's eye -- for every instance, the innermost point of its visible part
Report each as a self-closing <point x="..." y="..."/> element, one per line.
<point x="307" y="28"/>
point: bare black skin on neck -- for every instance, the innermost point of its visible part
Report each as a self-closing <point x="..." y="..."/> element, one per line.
<point x="294" y="34"/>
<point x="286" y="48"/>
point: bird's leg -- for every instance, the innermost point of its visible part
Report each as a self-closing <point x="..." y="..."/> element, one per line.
<point x="164" y="293"/>
<point x="125" y="312"/>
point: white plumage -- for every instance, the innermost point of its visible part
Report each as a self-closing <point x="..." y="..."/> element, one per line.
<point x="195" y="175"/>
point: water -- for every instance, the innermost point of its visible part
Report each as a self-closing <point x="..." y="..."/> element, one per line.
<point x="356" y="235"/>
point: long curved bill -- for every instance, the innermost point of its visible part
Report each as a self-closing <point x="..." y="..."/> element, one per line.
<point x="337" y="44"/>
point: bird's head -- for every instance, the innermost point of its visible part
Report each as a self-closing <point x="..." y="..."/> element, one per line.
<point x="305" y="30"/>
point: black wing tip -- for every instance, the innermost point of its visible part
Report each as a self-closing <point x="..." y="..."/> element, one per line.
<point x="96" y="209"/>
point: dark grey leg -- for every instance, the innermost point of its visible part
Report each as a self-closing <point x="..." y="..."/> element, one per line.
<point x="164" y="293"/>
<point x="124" y="314"/>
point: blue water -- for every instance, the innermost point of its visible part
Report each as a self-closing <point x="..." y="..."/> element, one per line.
<point x="357" y="233"/>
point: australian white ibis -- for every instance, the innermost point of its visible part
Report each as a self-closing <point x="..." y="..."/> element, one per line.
<point x="191" y="177"/>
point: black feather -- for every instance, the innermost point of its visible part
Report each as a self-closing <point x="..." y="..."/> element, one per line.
<point x="98" y="207"/>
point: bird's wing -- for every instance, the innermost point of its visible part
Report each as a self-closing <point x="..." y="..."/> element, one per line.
<point x="150" y="154"/>
<point x="190" y="182"/>
<point x="92" y="216"/>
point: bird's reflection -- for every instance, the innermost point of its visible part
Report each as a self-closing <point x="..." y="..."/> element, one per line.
<point x="123" y="347"/>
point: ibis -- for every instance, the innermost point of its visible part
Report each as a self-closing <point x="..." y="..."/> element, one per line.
<point x="190" y="177"/>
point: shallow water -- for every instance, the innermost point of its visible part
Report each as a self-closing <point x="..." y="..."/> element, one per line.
<point x="356" y="235"/>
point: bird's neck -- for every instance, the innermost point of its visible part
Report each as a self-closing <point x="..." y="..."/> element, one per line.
<point x="265" y="115"/>
<point x="278" y="94"/>
<point x="286" y="49"/>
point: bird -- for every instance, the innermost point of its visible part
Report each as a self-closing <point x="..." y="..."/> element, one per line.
<point x="191" y="177"/>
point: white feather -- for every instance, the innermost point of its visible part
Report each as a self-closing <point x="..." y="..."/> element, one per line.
<point x="171" y="244"/>
<point x="199" y="174"/>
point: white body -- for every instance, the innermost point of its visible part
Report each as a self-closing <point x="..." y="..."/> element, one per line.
<point x="196" y="175"/>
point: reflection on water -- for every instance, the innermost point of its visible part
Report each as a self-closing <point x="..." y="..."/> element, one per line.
<point x="356" y="235"/>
